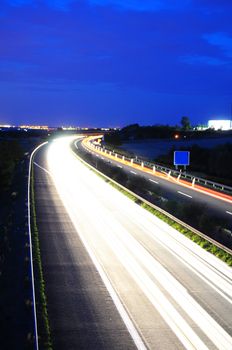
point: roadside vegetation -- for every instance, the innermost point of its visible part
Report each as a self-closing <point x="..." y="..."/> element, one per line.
<point x="44" y="333"/>
<point x="196" y="216"/>
<point x="10" y="154"/>
<point x="16" y="302"/>
<point x="16" y="314"/>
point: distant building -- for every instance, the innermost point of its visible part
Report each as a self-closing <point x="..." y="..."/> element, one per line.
<point x="220" y="124"/>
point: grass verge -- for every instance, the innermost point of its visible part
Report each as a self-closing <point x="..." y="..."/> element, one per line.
<point x="41" y="300"/>
<point x="202" y="242"/>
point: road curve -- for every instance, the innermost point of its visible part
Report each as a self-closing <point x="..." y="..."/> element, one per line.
<point x="174" y="190"/>
<point x="171" y="294"/>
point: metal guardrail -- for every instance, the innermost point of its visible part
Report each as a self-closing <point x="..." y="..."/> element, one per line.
<point x="170" y="216"/>
<point x="171" y="172"/>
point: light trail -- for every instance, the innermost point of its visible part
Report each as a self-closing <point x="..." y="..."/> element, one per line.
<point x="154" y="270"/>
<point x="210" y="192"/>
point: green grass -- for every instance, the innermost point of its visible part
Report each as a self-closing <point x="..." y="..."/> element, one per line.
<point x="41" y="300"/>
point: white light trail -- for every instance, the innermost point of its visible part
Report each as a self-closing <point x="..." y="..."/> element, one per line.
<point x="118" y="233"/>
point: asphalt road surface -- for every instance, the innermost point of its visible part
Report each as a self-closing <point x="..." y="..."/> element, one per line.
<point x="81" y="312"/>
<point x="117" y="277"/>
<point x="172" y="189"/>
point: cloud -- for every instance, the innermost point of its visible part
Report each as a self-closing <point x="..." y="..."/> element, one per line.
<point x="202" y="60"/>
<point x="134" y="5"/>
<point x="221" y="40"/>
<point x="19" y="3"/>
<point x="63" y="5"/>
<point x="143" y="5"/>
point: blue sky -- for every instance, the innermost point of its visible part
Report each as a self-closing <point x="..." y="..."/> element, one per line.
<point x="111" y="63"/>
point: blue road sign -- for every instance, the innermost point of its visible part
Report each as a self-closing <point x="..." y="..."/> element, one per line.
<point x="181" y="157"/>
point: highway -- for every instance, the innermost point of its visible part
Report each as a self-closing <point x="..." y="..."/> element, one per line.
<point x="220" y="206"/>
<point x="116" y="276"/>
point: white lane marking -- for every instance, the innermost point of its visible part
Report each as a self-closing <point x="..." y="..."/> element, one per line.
<point x="102" y="158"/>
<point x="30" y="243"/>
<point x="184" y="194"/>
<point x="228" y="212"/>
<point x="119" y="166"/>
<point x="46" y="171"/>
<point x="117" y="302"/>
<point x="133" y="172"/>
<point x="156" y="182"/>
<point x="97" y="155"/>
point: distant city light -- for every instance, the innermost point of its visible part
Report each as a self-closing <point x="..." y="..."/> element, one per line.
<point x="34" y="127"/>
<point x="5" y="126"/>
<point x="176" y="136"/>
<point x="70" y="128"/>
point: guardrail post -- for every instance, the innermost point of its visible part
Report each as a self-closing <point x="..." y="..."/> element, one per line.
<point x="110" y="153"/>
<point x="154" y="169"/>
<point x="142" y="164"/>
<point x="193" y="182"/>
<point x="116" y="155"/>
<point x="178" y="177"/>
<point x="123" y="158"/>
<point x="132" y="160"/>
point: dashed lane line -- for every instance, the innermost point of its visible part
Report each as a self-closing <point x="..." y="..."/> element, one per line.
<point x="156" y="182"/>
<point x="184" y="194"/>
